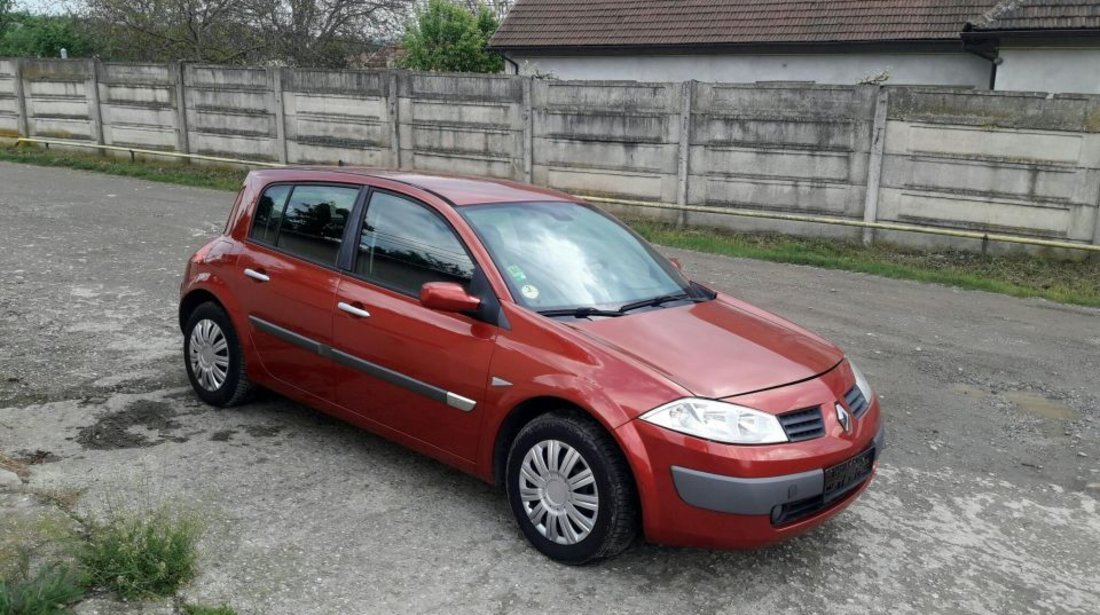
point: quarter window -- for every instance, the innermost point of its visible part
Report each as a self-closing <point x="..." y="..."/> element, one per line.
<point x="405" y="245"/>
<point x="306" y="221"/>
<point x="269" y="210"/>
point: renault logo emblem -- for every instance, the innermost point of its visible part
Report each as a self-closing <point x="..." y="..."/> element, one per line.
<point x="844" y="418"/>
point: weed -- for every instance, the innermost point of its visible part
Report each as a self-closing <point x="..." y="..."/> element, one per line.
<point x="48" y="592"/>
<point x="141" y="556"/>
<point x="196" y="609"/>
<point x="201" y="176"/>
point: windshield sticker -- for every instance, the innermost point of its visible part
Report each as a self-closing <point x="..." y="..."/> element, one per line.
<point x="518" y="275"/>
<point x="529" y="291"/>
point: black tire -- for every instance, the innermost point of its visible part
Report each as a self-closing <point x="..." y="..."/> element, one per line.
<point x="617" y="519"/>
<point x="236" y="388"/>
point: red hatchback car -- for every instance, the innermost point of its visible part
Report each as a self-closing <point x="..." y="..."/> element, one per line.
<point x="532" y="340"/>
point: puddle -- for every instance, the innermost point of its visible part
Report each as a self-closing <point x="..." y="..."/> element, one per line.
<point x="1042" y="407"/>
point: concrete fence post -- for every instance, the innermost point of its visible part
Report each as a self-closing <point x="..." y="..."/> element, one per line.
<point x="684" y="150"/>
<point x="275" y="82"/>
<point x="91" y="92"/>
<point x="874" y="167"/>
<point x="177" y="75"/>
<point x="528" y="131"/>
<point x="23" y="123"/>
<point x="395" y="123"/>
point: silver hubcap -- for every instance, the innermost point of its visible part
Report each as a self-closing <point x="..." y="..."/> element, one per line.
<point x="558" y="492"/>
<point x="209" y="355"/>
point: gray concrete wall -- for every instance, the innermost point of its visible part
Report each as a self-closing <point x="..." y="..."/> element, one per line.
<point x="1016" y="163"/>
<point x="954" y="69"/>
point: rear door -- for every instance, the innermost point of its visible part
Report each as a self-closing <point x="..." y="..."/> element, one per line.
<point x="288" y="267"/>
<point x="415" y="370"/>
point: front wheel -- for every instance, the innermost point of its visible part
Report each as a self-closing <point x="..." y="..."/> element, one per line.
<point x="214" y="359"/>
<point x="571" y="490"/>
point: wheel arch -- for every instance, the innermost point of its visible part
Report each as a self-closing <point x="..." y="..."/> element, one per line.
<point x="194" y="299"/>
<point x="530" y="409"/>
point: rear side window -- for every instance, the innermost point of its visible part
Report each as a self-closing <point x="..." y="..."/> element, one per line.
<point x="405" y="245"/>
<point x="306" y="221"/>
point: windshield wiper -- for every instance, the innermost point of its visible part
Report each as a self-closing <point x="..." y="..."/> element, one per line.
<point x="580" y="312"/>
<point x="656" y="301"/>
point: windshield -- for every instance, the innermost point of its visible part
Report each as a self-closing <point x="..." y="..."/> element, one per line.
<point x="568" y="255"/>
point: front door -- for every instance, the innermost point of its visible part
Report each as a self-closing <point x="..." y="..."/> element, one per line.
<point x="289" y="278"/>
<point x="418" y="371"/>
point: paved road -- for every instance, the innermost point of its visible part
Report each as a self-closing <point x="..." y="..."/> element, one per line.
<point x="986" y="502"/>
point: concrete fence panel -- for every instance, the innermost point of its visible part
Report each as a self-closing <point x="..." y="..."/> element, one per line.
<point x="1017" y="163"/>
<point x="617" y="138"/>
<point x="58" y="99"/>
<point x="337" y="116"/>
<point x="10" y="98"/>
<point x="231" y="112"/>
<point x="137" y="106"/>
<point x="800" y="149"/>
<point x="461" y="124"/>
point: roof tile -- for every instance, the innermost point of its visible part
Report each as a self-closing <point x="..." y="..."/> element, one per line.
<point x="573" y="23"/>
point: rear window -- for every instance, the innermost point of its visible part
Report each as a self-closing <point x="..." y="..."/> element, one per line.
<point x="307" y="221"/>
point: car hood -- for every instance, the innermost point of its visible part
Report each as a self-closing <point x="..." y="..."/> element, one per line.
<point x="717" y="349"/>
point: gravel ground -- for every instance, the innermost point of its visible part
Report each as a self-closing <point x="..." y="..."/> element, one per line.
<point x="986" y="501"/>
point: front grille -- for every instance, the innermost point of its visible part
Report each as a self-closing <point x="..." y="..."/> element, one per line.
<point x="856" y="402"/>
<point x="803" y="424"/>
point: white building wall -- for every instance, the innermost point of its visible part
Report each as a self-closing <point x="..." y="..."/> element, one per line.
<point x="1050" y="70"/>
<point x="943" y="69"/>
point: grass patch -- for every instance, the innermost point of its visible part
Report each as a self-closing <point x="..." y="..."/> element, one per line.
<point x="1075" y="282"/>
<point x="49" y="591"/>
<point x="200" y="176"/>
<point x="196" y="609"/>
<point x="143" y="556"/>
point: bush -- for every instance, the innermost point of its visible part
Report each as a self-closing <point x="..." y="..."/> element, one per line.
<point x="141" y="556"/>
<point x="447" y="37"/>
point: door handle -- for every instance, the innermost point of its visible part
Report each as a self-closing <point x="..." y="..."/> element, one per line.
<point x="257" y="275"/>
<point x="354" y="311"/>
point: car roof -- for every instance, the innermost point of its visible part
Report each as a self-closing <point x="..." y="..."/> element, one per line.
<point x="458" y="190"/>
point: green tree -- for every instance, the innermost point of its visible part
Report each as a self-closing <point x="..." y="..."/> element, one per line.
<point x="445" y="36"/>
<point x="43" y="36"/>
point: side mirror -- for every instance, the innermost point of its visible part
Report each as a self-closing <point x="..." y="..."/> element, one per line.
<point x="447" y="297"/>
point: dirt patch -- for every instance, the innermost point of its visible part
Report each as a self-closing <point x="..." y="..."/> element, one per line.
<point x="263" y="431"/>
<point x="33" y="458"/>
<point x="222" y="436"/>
<point x="114" y="431"/>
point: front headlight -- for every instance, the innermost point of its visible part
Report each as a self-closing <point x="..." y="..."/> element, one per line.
<point x="861" y="382"/>
<point x="718" y="421"/>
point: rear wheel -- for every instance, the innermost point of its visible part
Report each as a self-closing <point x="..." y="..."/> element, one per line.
<point x="215" y="362"/>
<point x="571" y="490"/>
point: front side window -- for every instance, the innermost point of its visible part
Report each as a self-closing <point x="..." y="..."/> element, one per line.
<point x="557" y="256"/>
<point x="306" y="221"/>
<point x="405" y="245"/>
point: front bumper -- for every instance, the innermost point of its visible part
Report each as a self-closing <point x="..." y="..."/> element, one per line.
<point x="761" y="496"/>
<point x="705" y="494"/>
